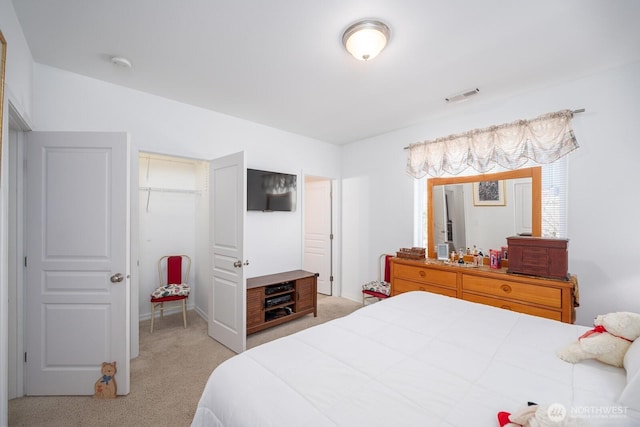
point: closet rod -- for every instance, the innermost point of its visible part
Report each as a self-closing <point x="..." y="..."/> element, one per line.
<point x="165" y="190"/>
<point x="579" y="110"/>
<point x="169" y="190"/>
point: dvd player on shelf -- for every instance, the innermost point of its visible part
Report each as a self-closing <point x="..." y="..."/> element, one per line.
<point x="271" y="302"/>
<point x="276" y="289"/>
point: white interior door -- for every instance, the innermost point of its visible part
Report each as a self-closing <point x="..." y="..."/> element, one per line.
<point x="439" y="215"/>
<point x="455" y="201"/>
<point x="77" y="245"/>
<point x="228" y="300"/>
<point x="317" y="231"/>
<point x="523" y="195"/>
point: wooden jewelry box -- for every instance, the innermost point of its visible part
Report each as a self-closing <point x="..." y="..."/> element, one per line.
<point x="538" y="256"/>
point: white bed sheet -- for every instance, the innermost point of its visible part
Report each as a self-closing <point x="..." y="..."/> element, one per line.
<point x="417" y="359"/>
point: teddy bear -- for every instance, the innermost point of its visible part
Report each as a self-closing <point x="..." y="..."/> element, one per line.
<point x="534" y="415"/>
<point x="105" y="387"/>
<point x="607" y="342"/>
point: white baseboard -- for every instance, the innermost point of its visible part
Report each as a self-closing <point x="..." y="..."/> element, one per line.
<point x="201" y="313"/>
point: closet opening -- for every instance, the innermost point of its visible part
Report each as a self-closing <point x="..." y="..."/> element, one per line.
<point x="173" y="219"/>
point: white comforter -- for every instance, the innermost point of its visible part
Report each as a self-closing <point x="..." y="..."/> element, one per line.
<point x="417" y="359"/>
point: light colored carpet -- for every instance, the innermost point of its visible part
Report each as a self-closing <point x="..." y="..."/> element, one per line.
<point x="167" y="377"/>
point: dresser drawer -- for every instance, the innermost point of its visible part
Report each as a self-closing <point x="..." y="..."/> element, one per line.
<point x="513" y="306"/>
<point x="425" y="275"/>
<point x="535" y="294"/>
<point x="399" y="286"/>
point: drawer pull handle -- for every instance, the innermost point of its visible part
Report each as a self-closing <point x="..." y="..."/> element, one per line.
<point x="422" y="273"/>
<point x="506" y="307"/>
<point x="506" y="288"/>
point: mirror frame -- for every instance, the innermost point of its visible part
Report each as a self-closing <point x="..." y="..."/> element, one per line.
<point x="535" y="173"/>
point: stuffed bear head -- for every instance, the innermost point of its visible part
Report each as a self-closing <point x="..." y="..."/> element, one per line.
<point x="108" y="369"/>
<point x="622" y="324"/>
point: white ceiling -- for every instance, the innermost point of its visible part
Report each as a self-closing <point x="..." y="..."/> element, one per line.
<point x="281" y="62"/>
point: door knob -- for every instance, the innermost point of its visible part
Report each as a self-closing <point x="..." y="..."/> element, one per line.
<point x="117" y="278"/>
<point x="237" y="264"/>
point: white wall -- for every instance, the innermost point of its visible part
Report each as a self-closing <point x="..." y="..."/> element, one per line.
<point x="377" y="208"/>
<point x="603" y="173"/>
<point x="19" y="67"/>
<point x="66" y="101"/>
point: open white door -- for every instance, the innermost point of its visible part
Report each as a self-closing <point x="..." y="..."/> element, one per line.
<point x="228" y="300"/>
<point x="317" y="231"/>
<point x="439" y="215"/>
<point x="77" y="244"/>
<point x="523" y="195"/>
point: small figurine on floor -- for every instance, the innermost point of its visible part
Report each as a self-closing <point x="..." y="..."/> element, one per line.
<point x="105" y="387"/>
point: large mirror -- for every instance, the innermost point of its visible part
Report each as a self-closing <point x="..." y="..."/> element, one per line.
<point x="482" y="210"/>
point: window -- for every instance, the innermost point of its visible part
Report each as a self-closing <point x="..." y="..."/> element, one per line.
<point x="554" y="198"/>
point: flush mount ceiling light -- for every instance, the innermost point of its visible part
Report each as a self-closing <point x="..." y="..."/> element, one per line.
<point x="121" y="61"/>
<point x="365" y="39"/>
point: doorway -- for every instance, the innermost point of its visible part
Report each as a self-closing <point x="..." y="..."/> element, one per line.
<point x="318" y="231"/>
<point x="173" y="219"/>
<point x="17" y="261"/>
<point x="15" y="347"/>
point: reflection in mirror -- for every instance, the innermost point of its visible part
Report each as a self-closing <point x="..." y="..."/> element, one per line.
<point x="463" y="219"/>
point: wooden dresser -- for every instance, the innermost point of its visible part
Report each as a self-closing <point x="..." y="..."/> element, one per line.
<point x="550" y="298"/>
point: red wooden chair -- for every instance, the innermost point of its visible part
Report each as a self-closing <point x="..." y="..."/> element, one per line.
<point x="380" y="288"/>
<point x="173" y="273"/>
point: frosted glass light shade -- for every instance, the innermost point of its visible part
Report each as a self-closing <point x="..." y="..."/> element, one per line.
<point x="366" y="39"/>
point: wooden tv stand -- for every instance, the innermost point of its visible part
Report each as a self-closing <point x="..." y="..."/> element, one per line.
<point x="278" y="298"/>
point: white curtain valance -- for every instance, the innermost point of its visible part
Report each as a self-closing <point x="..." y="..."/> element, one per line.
<point x="543" y="140"/>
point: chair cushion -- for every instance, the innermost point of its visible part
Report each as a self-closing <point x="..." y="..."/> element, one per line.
<point x="378" y="287"/>
<point x="171" y="291"/>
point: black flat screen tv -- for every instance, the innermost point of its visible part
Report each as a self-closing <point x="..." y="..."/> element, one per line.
<point x="271" y="191"/>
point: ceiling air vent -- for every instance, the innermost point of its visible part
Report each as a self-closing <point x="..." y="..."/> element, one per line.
<point x="462" y="96"/>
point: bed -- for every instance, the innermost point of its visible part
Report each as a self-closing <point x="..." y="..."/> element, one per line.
<point x="417" y="359"/>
